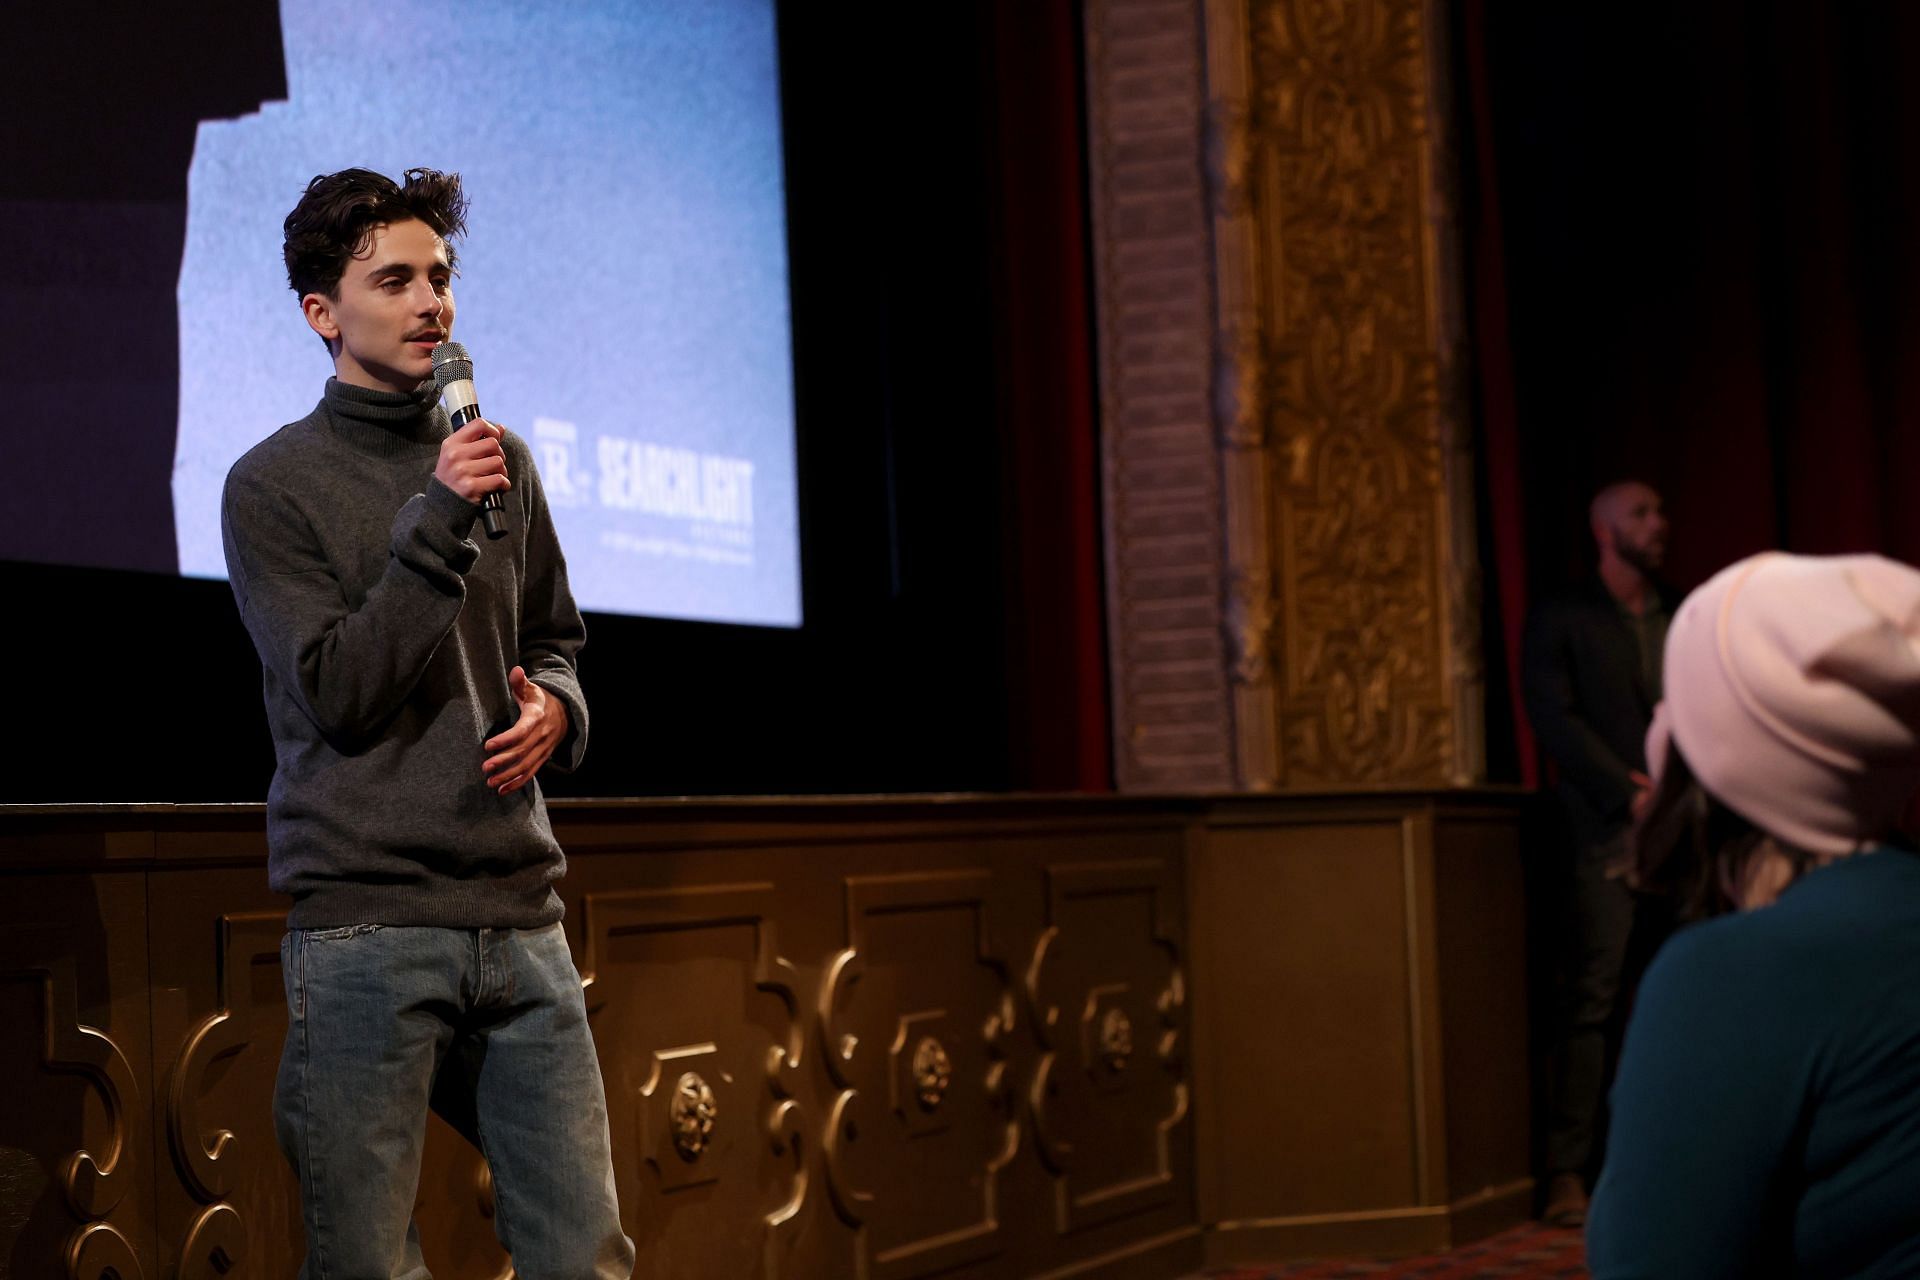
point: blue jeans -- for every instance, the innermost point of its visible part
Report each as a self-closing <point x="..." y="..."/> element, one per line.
<point x="485" y="1026"/>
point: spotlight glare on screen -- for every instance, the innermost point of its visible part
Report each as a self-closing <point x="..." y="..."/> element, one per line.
<point x="623" y="280"/>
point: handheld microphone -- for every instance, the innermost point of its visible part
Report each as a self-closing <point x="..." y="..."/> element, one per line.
<point x="453" y="374"/>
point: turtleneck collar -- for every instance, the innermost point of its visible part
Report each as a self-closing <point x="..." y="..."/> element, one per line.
<point x="386" y="422"/>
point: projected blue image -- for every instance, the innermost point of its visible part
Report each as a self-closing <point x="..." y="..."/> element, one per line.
<point x="623" y="284"/>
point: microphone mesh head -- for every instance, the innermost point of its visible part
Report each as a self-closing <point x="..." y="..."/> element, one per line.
<point x="451" y="364"/>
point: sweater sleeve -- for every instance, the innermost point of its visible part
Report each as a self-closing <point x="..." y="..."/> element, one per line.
<point x="551" y="630"/>
<point x="1707" y="1104"/>
<point x="349" y="669"/>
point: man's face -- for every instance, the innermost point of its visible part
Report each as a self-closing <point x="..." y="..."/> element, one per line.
<point x="1639" y="527"/>
<point x="394" y="304"/>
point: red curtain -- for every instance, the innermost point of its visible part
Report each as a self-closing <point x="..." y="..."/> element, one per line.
<point x="1692" y="255"/>
<point x="1056" y="664"/>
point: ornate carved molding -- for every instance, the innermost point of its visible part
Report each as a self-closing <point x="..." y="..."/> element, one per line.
<point x="1114" y="1040"/>
<point x="99" y="1252"/>
<point x="1361" y="337"/>
<point x="695" y="1112"/>
<point x="679" y="1112"/>
<point x="915" y="1072"/>
<point x="1106" y="1033"/>
<point x="93" y="1184"/>
<point x="215" y="1242"/>
<point x="1332" y="514"/>
<point x="215" y="1245"/>
<point x="685" y="1119"/>
<point x="932" y="1073"/>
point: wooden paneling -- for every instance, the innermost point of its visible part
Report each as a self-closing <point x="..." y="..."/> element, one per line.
<point x="697" y="1016"/>
<point x="1308" y="999"/>
<point x="915" y="1016"/>
<point x="879" y="1038"/>
<point x="1107" y="987"/>
<point x="1360" y="975"/>
<point x="1481" y="914"/>
<point x="225" y="1193"/>
<point x="75" y="1073"/>
<point x="220" y="1015"/>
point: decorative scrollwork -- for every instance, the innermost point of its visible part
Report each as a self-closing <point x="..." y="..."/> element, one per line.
<point x="1360" y="334"/>
<point x="677" y="1107"/>
<point x="1116" y="1039"/>
<point x="695" y="1112"/>
<point x="938" y="1073"/>
<point x="98" y="1251"/>
<point x="1113" y="1067"/>
<point x="94" y="1184"/>
<point x="205" y="1155"/>
<point x="216" y="1244"/>
<point x="932" y="1072"/>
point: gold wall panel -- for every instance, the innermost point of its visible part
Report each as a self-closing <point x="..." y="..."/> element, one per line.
<point x="1323" y="313"/>
<point x="1347" y="184"/>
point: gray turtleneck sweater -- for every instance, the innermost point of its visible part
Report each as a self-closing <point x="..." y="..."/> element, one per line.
<point x="386" y="632"/>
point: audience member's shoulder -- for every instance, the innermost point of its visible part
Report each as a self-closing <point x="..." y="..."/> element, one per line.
<point x="1831" y="920"/>
<point x="1712" y="951"/>
<point x="1726" y="980"/>
<point x="1853" y="897"/>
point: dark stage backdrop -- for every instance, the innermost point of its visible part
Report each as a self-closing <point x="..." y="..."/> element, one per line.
<point x="943" y="388"/>
<point x="1694" y="261"/>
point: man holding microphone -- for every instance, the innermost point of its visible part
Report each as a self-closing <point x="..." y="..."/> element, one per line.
<point x="416" y="680"/>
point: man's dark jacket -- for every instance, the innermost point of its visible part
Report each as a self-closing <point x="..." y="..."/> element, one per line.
<point x="1587" y="701"/>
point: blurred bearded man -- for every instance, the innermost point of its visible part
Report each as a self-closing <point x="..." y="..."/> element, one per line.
<point x="1591" y="677"/>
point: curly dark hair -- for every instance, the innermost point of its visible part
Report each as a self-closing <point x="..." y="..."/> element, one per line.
<point x="338" y="212"/>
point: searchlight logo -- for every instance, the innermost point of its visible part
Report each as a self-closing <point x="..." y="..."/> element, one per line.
<point x="707" y="497"/>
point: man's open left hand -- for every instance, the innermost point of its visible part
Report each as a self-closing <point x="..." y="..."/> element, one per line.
<point x="518" y="753"/>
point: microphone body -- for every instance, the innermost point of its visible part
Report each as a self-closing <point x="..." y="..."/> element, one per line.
<point x="453" y="374"/>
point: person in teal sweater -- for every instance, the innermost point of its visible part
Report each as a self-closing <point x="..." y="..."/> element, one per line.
<point x="1766" y="1114"/>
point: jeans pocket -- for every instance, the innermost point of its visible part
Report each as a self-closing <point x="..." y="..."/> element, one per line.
<point x="342" y="933"/>
<point x="292" y="976"/>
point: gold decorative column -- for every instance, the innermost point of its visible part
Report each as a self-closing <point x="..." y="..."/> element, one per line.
<point x="1340" y="504"/>
<point x="1294" y="605"/>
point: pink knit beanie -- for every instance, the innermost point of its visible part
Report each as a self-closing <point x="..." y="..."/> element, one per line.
<point x="1793" y="690"/>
